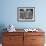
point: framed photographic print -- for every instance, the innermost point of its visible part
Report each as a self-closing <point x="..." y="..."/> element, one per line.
<point x="26" y="14"/>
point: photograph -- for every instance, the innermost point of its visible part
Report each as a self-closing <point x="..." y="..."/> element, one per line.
<point x="26" y="14"/>
<point x="22" y="23"/>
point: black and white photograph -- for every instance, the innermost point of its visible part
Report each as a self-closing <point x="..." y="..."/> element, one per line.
<point x="26" y="14"/>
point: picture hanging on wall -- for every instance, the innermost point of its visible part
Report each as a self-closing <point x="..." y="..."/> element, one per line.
<point x="26" y="14"/>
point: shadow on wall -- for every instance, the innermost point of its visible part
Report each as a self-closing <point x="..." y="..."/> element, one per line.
<point x="2" y="26"/>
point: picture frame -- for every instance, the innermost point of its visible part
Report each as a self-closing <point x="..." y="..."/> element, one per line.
<point x="26" y="14"/>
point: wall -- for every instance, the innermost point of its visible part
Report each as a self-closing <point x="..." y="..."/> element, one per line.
<point x="8" y="13"/>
